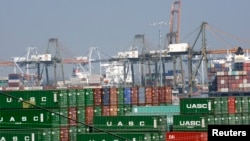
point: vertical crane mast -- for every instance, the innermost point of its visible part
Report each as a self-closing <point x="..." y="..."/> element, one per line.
<point x="53" y="47"/>
<point x="174" y="36"/>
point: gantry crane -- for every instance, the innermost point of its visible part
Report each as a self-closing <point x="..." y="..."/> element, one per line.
<point x="173" y="37"/>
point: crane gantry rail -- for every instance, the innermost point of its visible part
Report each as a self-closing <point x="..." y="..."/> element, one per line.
<point x="86" y="61"/>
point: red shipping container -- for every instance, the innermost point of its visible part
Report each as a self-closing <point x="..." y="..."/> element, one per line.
<point x="231" y="105"/>
<point x="186" y="136"/>
<point x="155" y="96"/>
<point x="97" y="96"/>
<point x="161" y="91"/>
<point x="113" y="110"/>
<point x="134" y="99"/>
<point x="105" y="110"/>
<point x="72" y="114"/>
<point x="64" y="134"/>
<point x="89" y="113"/>
<point x="134" y="95"/>
<point x="113" y="96"/>
<point x="168" y="94"/>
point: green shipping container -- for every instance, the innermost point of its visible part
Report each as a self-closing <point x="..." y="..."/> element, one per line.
<point x="72" y="93"/>
<point x="190" y="123"/>
<point x="210" y="119"/>
<point x="245" y="118"/>
<point x="80" y="97"/>
<point x="22" y="135"/>
<point x="120" y="93"/>
<point x="231" y="119"/>
<point x="224" y="119"/>
<point x="89" y="97"/>
<point x="28" y="118"/>
<point x="120" y="137"/>
<point x="63" y="98"/>
<point x="217" y="119"/>
<point x="217" y="105"/>
<point x="29" y="99"/>
<point x="224" y="105"/>
<point x="196" y="106"/>
<point x="97" y="110"/>
<point x="81" y="115"/>
<point x="245" y="102"/>
<point x="238" y="105"/>
<point x="130" y="123"/>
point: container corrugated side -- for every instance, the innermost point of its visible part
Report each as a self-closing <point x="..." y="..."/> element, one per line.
<point x="22" y="135"/>
<point x="168" y="110"/>
<point x="190" y="123"/>
<point x="28" y="118"/>
<point x="186" y="136"/>
<point x="147" y="136"/>
<point x="196" y="106"/>
<point x="130" y="123"/>
<point x="29" y="99"/>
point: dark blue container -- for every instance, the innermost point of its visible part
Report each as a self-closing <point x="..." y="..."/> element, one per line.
<point x="127" y="95"/>
<point x="106" y="96"/>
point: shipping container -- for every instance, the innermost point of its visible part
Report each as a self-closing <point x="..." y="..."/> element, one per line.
<point x="64" y="133"/>
<point x="89" y="114"/>
<point x="130" y="123"/>
<point x="29" y="99"/>
<point x="72" y="116"/>
<point x="72" y="94"/>
<point x="196" y="106"/>
<point x="127" y="95"/>
<point x="105" y="110"/>
<point x="168" y="94"/>
<point x="113" y="99"/>
<point x="190" y="123"/>
<point x="120" y="94"/>
<point x="168" y="110"/>
<point x="155" y="96"/>
<point x="134" y="95"/>
<point x="29" y="118"/>
<point x="81" y="115"/>
<point x="63" y="98"/>
<point x="97" y="96"/>
<point x="156" y="110"/>
<point x="106" y="96"/>
<point x="23" y="135"/>
<point x="142" y="95"/>
<point x="147" y="136"/>
<point x="89" y="97"/>
<point x="80" y="97"/>
<point x="186" y="136"/>
<point x="97" y="110"/>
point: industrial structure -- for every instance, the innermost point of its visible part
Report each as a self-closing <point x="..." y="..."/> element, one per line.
<point x="138" y="66"/>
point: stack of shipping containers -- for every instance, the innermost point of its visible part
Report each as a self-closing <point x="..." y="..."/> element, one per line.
<point x="73" y="114"/>
<point x="197" y="113"/>
<point x="116" y="123"/>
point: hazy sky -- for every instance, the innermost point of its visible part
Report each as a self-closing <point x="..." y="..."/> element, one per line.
<point x="111" y="25"/>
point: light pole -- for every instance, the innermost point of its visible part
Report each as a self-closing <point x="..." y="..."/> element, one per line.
<point x="159" y="24"/>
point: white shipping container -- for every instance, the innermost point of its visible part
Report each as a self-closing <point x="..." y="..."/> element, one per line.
<point x="41" y="57"/>
<point x="45" y="57"/>
<point x="181" y="47"/>
<point x="128" y="54"/>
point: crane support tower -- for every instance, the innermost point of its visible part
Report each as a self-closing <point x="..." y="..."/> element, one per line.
<point x="53" y="49"/>
<point x="174" y="37"/>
